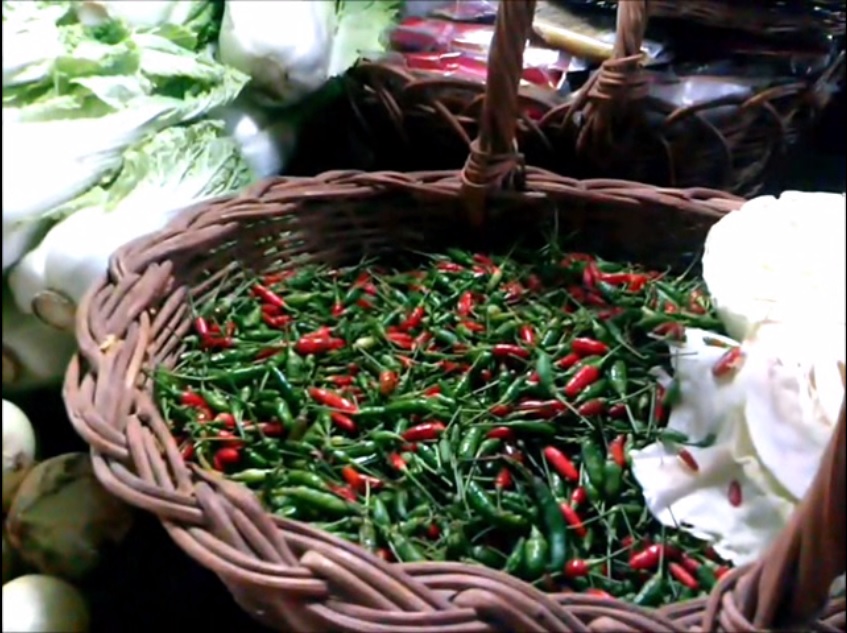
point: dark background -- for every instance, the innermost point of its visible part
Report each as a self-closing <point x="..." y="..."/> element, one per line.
<point x="149" y="583"/>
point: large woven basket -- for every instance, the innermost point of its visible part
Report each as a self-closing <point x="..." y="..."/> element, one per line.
<point x="294" y="577"/>
<point x="610" y="128"/>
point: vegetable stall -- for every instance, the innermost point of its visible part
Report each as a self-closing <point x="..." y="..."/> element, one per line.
<point x="581" y="422"/>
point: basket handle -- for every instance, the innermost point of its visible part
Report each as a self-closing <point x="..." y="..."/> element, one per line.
<point x="790" y="584"/>
<point x="494" y="160"/>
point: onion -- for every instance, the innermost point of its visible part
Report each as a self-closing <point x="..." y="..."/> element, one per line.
<point x="18" y="450"/>
<point x="36" y="603"/>
<point x="62" y="519"/>
<point x="10" y="561"/>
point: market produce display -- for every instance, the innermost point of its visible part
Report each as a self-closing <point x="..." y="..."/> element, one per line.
<point x="471" y="408"/>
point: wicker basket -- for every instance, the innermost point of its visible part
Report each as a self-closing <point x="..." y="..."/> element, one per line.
<point x="294" y="577"/>
<point x="610" y="128"/>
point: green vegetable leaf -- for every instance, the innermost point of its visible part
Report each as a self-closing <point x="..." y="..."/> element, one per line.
<point x="360" y="28"/>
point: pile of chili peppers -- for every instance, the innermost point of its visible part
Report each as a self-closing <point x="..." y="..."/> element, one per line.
<point x="471" y="408"/>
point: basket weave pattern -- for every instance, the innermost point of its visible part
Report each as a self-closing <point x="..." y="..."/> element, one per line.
<point x="611" y="127"/>
<point x="294" y="577"/>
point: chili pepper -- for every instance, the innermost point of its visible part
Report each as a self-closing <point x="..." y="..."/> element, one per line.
<point x="545" y="409"/>
<point x="352" y="477"/>
<point x="592" y="460"/>
<point x="401" y="339"/>
<point x="578" y="497"/>
<point x="544" y="370"/>
<point x="649" y="557"/>
<point x="682" y="576"/>
<point x="515" y="562"/>
<point x="734" y="493"/>
<point x="344" y="422"/>
<point x="488" y="556"/>
<point x="690" y="564"/>
<point x="304" y="478"/>
<point x="397" y="462"/>
<point x="554" y="524"/>
<point x="470" y="443"/>
<point x="201" y="326"/>
<point x="721" y="571"/>
<point x="568" y="361"/>
<point x="226" y="456"/>
<point x="573" y="519"/>
<point x="612" y="479"/>
<point x="479" y="500"/>
<point x="503" y="479"/>
<point x="526" y="333"/>
<point x="507" y="350"/>
<point x="268" y="296"/>
<point x="501" y="433"/>
<point x="187" y="452"/>
<point x="729" y="363"/>
<point x="586" y="375"/>
<point x="706" y="577"/>
<point x="535" y="554"/>
<point x="671" y="330"/>
<point x="618" y="378"/>
<point x="192" y="399"/>
<point x="560" y="463"/>
<point x="466" y="304"/>
<point x="387" y="382"/>
<point x="617" y="411"/>
<point x="617" y="450"/>
<point x="594" y="407"/>
<point x="588" y="347"/>
<point x="332" y="400"/>
<point x="576" y="568"/>
<point x="688" y="460"/>
<point x="651" y="593"/>
<point x="317" y="345"/>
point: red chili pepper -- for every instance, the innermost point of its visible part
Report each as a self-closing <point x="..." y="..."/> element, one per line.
<point x="449" y="267"/>
<point x="637" y="283"/>
<point x="588" y="347"/>
<point x="466" y="304"/>
<point x="217" y="342"/>
<point x="533" y="282"/>
<point x="568" y="361"/>
<point x="433" y="531"/>
<point x="721" y="571"/>
<point x="276" y="322"/>
<point x="187" y="452"/>
<point x="201" y="326"/>
<point x="649" y="558"/>
<point x="691" y="564"/>
<point x="268" y="296"/>
<point x="396" y="461"/>
<point x="688" y="460"/>
<point x="659" y="406"/>
<point x="614" y="278"/>
<point x="332" y="400"/>
<point x="271" y="310"/>
<point x="734" y="493"/>
<point x="268" y="352"/>
<point x="401" y="339"/>
<point x="226" y="456"/>
<point x="503" y="479"/>
<point x="414" y="319"/>
<point x="597" y="406"/>
<point x="541" y="408"/>
<point x="451" y="367"/>
<point x="500" y="410"/>
<point x="697" y="302"/>
<point x="589" y="275"/>
<point x="227" y="418"/>
<point x="317" y="345"/>
<point x="343" y="422"/>
<point x="609" y="313"/>
<point x="387" y="383"/>
<point x="594" y="591"/>
<point x="671" y="330"/>
<point x="352" y="477"/>
<point x="617" y="450"/>
<point x="573" y="520"/>
<point x="505" y="350"/>
<point x="576" y="568"/>
<point x="405" y="361"/>
<point x="204" y="414"/>
<point x="272" y="429"/>
<point x="571" y="258"/>
<point x="485" y="260"/>
<point x="190" y="398"/>
<point x="617" y="411"/>
<point x="345" y="492"/>
<point x="385" y="554"/>
<point x="274" y="278"/>
<point x="364" y="304"/>
<point x="514" y="292"/>
<point x="584" y="376"/>
<point x="424" y="432"/>
<point x="501" y="433"/>
<point x="338" y="309"/>
<point x="526" y="334"/>
<point x="229" y="439"/>
<point x="729" y="363"/>
<point x="561" y="464"/>
<point x="473" y="326"/>
<point x="432" y="391"/>
<point x="533" y="378"/>
<point x="341" y="381"/>
<point x="681" y="575"/>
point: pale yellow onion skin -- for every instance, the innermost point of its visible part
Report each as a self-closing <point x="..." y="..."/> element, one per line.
<point x="63" y="521"/>
<point x="19" y="449"/>
<point x="36" y="603"/>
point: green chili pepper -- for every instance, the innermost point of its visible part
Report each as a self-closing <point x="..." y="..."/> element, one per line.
<point x="515" y="561"/>
<point x="322" y="501"/>
<point x="612" y="480"/>
<point x="379" y="513"/>
<point x="650" y="594"/>
<point x="457" y="542"/>
<point x="594" y="462"/>
<point x="592" y="391"/>
<point x="544" y="369"/>
<point x="367" y="536"/>
<point x="488" y="556"/>
<point x="618" y="378"/>
<point x="554" y="524"/>
<point x="479" y="500"/>
<point x="536" y="554"/>
<point x="404" y="549"/>
<point x="470" y="443"/>
<point x="401" y="500"/>
<point x="215" y="399"/>
<point x="305" y="478"/>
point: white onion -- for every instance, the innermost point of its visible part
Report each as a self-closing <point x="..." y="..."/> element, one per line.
<point x="10" y="561"/>
<point x="18" y="450"/>
<point x="35" y="603"/>
<point x="62" y="521"/>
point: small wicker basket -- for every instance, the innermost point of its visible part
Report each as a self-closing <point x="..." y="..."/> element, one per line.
<point x="611" y="128"/>
<point x="294" y="577"/>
